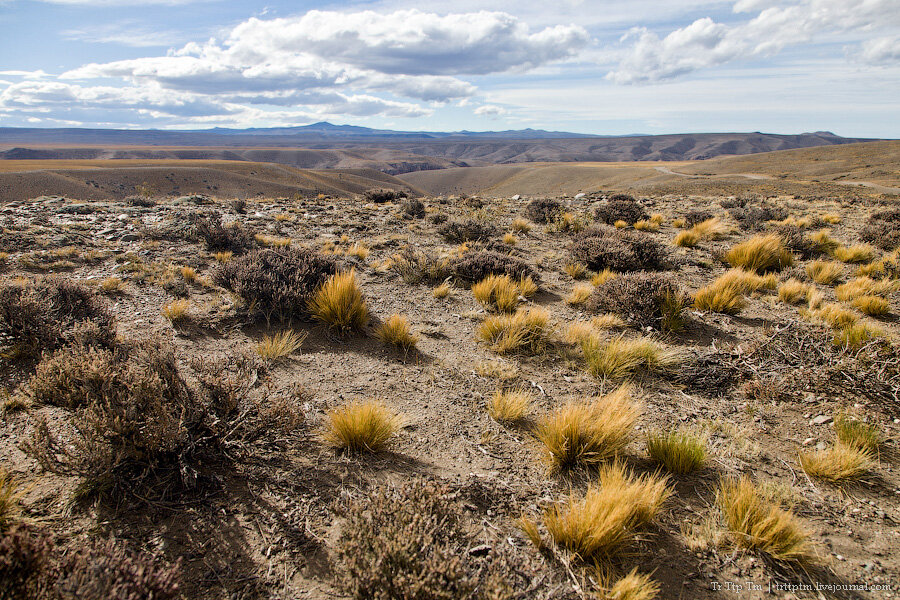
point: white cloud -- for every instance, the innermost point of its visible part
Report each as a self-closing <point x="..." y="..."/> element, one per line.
<point x="126" y="33"/>
<point x="705" y="43"/>
<point x="881" y="51"/>
<point x="490" y="110"/>
<point x="123" y="2"/>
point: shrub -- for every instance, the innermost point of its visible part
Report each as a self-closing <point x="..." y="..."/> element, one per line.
<point x="543" y="210"/>
<point x="420" y="266"/>
<point x="620" y="357"/>
<point x="277" y="281"/>
<point x="51" y="313"/>
<point x="838" y="462"/>
<point x="285" y="343"/>
<point x="509" y="405"/>
<point x="409" y="543"/>
<point x="599" y="249"/>
<point x="582" y="434"/>
<point x="217" y="237"/>
<point x="475" y="266"/>
<point x="643" y="299"/>
<point x="796" y="240"/>
<point x="756" y="523"/>
<point x="883" y="230"/>
<point x="365" y="426"/>
<point x="824" y="272"/>
<point x="497" y="292"/>
<point x="26" y="568"/>
<point x="413" y="207"/>
<point x="464" y="231"/>
<point x="756" y="217"/>
<point x="759" y="254"/>
<point x="680" y="452"/>
<point x="339" y="303"/>
<point x="382" y="196"/>
<point x="524" y="331"/>
<point x="620" y="208"/>
<point x="695" y="217"/>
<point x="395" y="332"/>
<point x="609" y="516"/>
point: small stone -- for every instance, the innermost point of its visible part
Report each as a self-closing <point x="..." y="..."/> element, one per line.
<point x="809" y="441"/>
<point x="822" y="420"/>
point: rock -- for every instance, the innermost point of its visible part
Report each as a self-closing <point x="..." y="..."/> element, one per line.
<point x="129" y="237"/>
<point x="516" y="197"/>
<point x="821" y="446"/>
<point x="822" y="420"/>
<point x="808" y="441"/>
<point x="580" y="195"/>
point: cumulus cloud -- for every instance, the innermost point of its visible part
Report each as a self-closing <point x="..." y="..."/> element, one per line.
<point x="881" y="51"/>
<point x="706" y="43"/>
<point x="490" y="110"/>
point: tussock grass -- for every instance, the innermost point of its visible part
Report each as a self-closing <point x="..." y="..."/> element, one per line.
<point x="285" y="343"/>
<point x="794" y="291"/>
<point x="632" y="586"/>
<point x="822" y="242"/>
<point x="359" y="250"/>
<point x="509" y="239"/>
<point x="525" y="331"/>
<point x="581" y="434"/>
<point x="394" y="331"/>
<point x="760" y="253"/>
<point x="720" y="296"/>
<point x="858" y="253"/>
<point x="497" y="292"/>
<point x="527" y="286"/>
<point x="865" y="286"/>
<point x="579" y="294"/>
<point x="643" y="225"/>
<point x="832" y="218"/>
<point x="176" y="311"/>
<point x="824" y="272"/>
<point x="619" y="357"/>
<point x="576" y="270"/>
<point x="620" y="224"/>
<point x="679" y="223"/>
<point x="755" y="522"/>
<point x="838" y="462"/>
<point x="111" y="285"/>
<point x="189" y="274"/>
<point x="657" y="218"/>
<point x="602" y="277"/>
<point x="680" y="452"/>
<point x="223" y="257"/>
<point x="856" y="433"/>
<point x="609" y="516"/>
<point x="577" y="331"/>
<point x="441" y="291"/>
<point x="361" y="426"/>
<point x="339" y="303"/>
<point x="509" y="405"/>
<point x="857" y="335"/>
<point x="607" y="321"/>
<point x="521" y="225"/>
<point x="10" y="494"/>
<point x="686" y="239"/>
<point x="711" y="229"/>
<point x="833" y="314"/>
<point x="871" y="305"/>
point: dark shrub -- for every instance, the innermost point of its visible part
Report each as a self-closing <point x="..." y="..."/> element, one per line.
<point x="382" y="196"/>
<point x="600" y="249"/>
<point x="697" y="216"/>
<point x="476" y="265"/>
<point x="234" y="237"/>
<point x="796" y="240"/>
<point x="543" y="210"/>
<point x="755" y="217"/>
<point x="620" y="207"/>
<point x="409" y="543"/>
<point x="414" y="208"/>
<point x="52" y="313"/>
<point x="140" y="201"/>
<point x="438" y="218"/>
<point x="415" y="267"/>
<point x="238" y="205"/>
<point x="883" y="230"/>
<point x="643" y="299"/>
<point x="465" y="231"/>
<point x="276" y="281"/>
<point x="26" y="570"/>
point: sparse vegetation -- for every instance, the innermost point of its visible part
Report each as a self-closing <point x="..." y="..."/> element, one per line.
<point x="859" y="253"/>
<point x="760" y="254"/>
<point x="339" y="303"/>
<point x="679" y="452"/>
<point x="395" y="332"/>
<point x="543" y="210"/>
<point x="509" y="405"/>
<point x="284" y="343"/>
<point x="824" y="272"/>
<point x="497" y="292"/>
<point x="600" y="249"/>
<point x="643" y="299"/>
<point x="620" y="207"/>
<point x="361" y="426"/>
<point x="621" y="357"/>
<point x="527" y="330"/>
<point x="838" y="462"/>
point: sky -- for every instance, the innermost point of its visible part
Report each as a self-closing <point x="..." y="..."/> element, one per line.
<point x="587" y="66"/>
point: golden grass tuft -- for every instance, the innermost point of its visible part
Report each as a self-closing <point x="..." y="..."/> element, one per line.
<point x="359" y="250"/>
<point x="833" y="315"/>
<point x="760" y="253"/>
<point x="859" y="253"/>
<point x="755" y="522"/>
<point x="10" y="494"/>
<point x="609" y="516"/>
<point x="679" y="223"/>
<point x="441" y="291"/>
<point x="577" y="331"/>
<point x="832" y="218"/>
<point x="657" y="218"/>
<point x="865" y="286"/>
<point x="339" y="303"/>
<point x="620" y="224"/>
<point x="576" y="270"/>
<point x="176" y="311"/>
<point x="823" y="242"/>
<point x="711" y="229"/>
<point x="510" y="405"/>
<point x="111" y="285"/>
<point x="582" y="434"/>
<point x="838" y="462"/>
<point x="686" y="239"/>
<point x="619" y="357"/>
<point x="521" y="225"/>
<point x="531" y="531"/>
<point x="680" y="452"/>
<point x="223" y="257"/>
<point x="602" y="277"/>
<point x="361" y="426"/>
<point x="189" y="274"/>
<point x="579" y="294"/>
<point x="607" y="321"/>
<point x="643" y="225"/>
<point x="497" y="292"/>
<point x="871" y="305"/>
<point x="524" y="331"/>
<point x="857" y="335"/>
<point x="394" y="331"/>
<point x="856" y="433"/>
<point x="824" y="272"/>
<point x="509" y="239"/>
<point x="720" y="296"/>
<point x="527" y="286"/>
<point x="632" y="586"/>
<point x="794" y="291"/>
<point x="285" y="343"/>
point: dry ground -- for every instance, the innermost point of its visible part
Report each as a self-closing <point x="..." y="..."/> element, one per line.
<point x="267" y="529"/>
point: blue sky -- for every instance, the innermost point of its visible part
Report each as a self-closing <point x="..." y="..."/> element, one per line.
<point x="590" y="66"/>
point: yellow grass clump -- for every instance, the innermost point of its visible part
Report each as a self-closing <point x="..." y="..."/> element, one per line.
<point x="577" y="331"/>
<point x="760" y="253"/>
<point x="602" y="277"/>
<point x="620" y="357"/>
<point x="176" y="311"/>
<point x="871" y="305"/>
<point x="497" y="292"/>
<point x="686" y="239"/>
<point x="527" y="286"/>
<point x="607" y="321"/>
<point x="838" y="462"/>
<point x="10" y="494"/>
<point x="633" y="586"/>
<point x="857" y="335"/>
<point x="620" y="224"/>
<point x="856" y="433"/>
<point x="509" y="239"/>
<point x="359" y="250"/>
<point x="525" y="331"/>
<point x="859" y="253"/>
<point x="756" y="523"/>
<point x="609" y="516"/>
<point x="582" y="434"/>
<point x="339" y="303"/>
<point x="521" y="225"/>
<point x="679" y="223"/>
<point x="657" y="218"/>
<point x="824" y="272"/>
<point x="794" y="291"/>
<point x="711" y="229"/>
<point x="721" y="296"/>
<point x="509" y="405"/>
<point x="111" y="285"/>
<point x="441" y="291"/>
<point x="865" y="286"/>
<point x="832" y="218"/>
<point x="285" y="343"/>
<point x="576" y="270"/>
<point x="395" y="332"/>
<point x="223" y="257"/>
<point x="834" y="315"/>
<point x="823" y="242"/>
<point x="643" y="225"/>
<point x="362" y="426"/>
<point x="579" y="294"/>
<point x="679" y="452"/>
<point x="189" y="274"/>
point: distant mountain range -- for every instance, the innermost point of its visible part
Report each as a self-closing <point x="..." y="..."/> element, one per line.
<point x="390" y="151"/>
